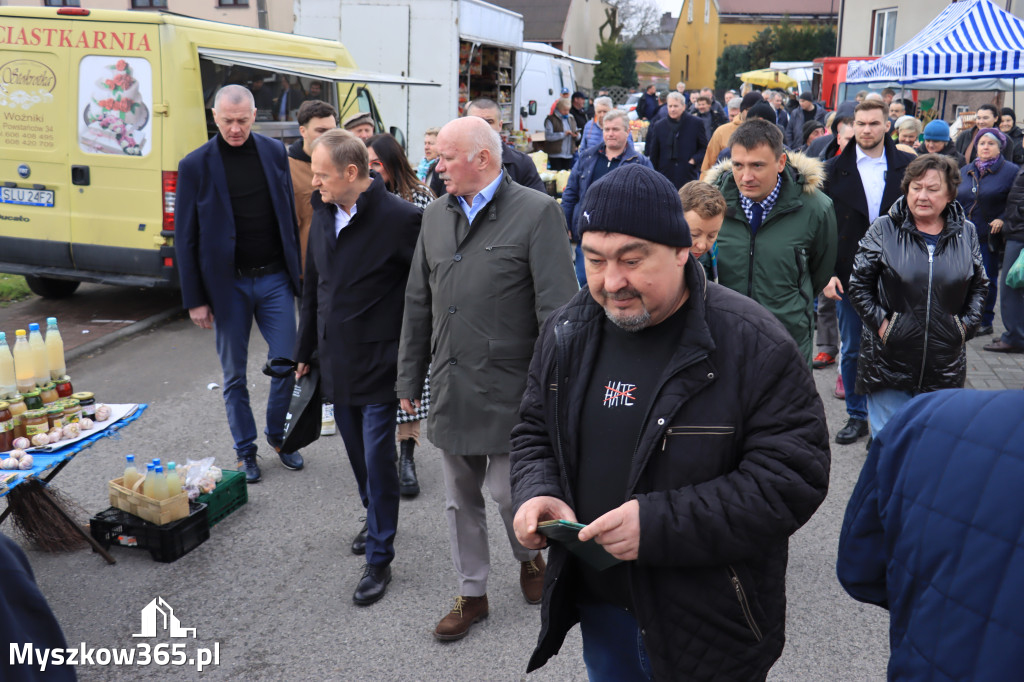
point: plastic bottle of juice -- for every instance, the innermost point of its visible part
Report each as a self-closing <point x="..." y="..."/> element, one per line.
<point x="38" y="348"/>
<point x="150" y="481"/>
<point x="131" y="474"/>
<point x="160" y="485"/>
<point x="24" y="367"/>
<point x="8" y="377"/>
<point x="174" y="481"/>
<point x="55" y="350"/>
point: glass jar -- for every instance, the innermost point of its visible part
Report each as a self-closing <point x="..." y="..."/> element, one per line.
<point x="64" y="388"/>
<point x="35" y="422"/>
<point x="32" y="399"/>
<point x="48" y="393"/>
<point x="88" y="403"/>
<point x="6" y="427"/>
<point x="72" y="411"/>
<point x="55" y="416"/>
<point x="17" y="408"/>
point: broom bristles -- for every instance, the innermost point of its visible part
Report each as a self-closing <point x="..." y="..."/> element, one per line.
<point x="39" y="522"/>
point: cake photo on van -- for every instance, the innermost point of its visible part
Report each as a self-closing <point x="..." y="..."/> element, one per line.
<point x="116" y="114"/>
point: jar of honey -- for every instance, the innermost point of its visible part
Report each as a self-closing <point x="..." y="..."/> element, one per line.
<point x="35" y="422"/>
<point x="72" y="411"/>
<point x="48" y="393"/>
<point x="55" y="416"/>
<point x="6" y="427"/>
<point x="17" y="408"/>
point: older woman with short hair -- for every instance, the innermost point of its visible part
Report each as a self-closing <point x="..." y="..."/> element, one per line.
<point x="908" y="130"/>
<point x="919" y="286"/>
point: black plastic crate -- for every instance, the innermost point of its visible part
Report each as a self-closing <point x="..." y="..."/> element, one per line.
<point x="165" y="543"/>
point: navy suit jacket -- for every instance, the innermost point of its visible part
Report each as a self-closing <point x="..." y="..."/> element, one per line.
<point x="204" y="224"/>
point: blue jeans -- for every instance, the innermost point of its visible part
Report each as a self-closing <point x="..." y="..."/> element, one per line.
<point x="270" y="301"/>
<point x="991" y="263"/>
<point x="581" y="267"/>
<point x="369" y="435"/>
<point x="613" y="648"/>
<point x="883" y="404"/>
<point x="1011" y="301"/>
<point x="849" y="336"/>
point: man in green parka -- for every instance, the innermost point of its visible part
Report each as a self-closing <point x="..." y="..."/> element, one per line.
<point x="778" y="242"/>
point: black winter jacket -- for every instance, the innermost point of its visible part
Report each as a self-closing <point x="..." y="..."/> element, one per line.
<point x="1013" y="227"/>
<point x="671" y="146"/>
<point x="933" y="304"/>
<point x="846" y="189"/>
<point x="732" y="459"/>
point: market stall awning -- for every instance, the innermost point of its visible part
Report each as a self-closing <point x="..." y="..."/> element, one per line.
<point x="768" y="78"/>
<point x="545" y="49"/>
<point x="971" y="45"/>
<point x="319" y="69"/>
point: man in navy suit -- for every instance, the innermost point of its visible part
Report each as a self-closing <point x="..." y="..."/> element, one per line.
<point x="360" y="250"/>
<point x="237" y="247"/>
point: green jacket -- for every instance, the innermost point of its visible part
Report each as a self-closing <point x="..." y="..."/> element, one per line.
<point x="793" y="255"/>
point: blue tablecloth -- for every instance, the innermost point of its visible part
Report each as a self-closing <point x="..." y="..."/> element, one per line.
<point x="43" y="462"/>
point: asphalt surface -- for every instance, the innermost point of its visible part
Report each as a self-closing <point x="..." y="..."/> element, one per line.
<point x="272" y="586"/>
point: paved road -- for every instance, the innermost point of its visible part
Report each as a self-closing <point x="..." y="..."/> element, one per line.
<point x="273" y="584"/>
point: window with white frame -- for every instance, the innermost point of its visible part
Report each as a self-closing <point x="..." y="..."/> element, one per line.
<point x="883" y="35"/>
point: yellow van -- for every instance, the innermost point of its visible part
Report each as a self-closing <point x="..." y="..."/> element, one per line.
<point x="97" y="107"/>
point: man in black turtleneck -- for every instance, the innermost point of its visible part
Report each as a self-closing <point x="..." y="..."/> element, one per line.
<point x="237" y="248"/>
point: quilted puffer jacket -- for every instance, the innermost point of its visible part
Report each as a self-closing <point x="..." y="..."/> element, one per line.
<point x="933" y="534"/>
<point x="933" y="303"/>
<point x="732" y="459"/>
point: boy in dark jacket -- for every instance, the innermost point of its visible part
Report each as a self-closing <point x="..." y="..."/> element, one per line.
<point x="679" y="421"/>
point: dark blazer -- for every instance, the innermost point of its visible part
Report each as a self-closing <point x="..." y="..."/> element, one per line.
<point x="782" y="119"/>
<point x="671" y="148"/>
<point x="204" y="224"/>
<point x="843" y="185"/>
<point x="354" y="295"/>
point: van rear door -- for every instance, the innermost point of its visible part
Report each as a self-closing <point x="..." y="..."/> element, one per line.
<point x="34" y="143"/>
<point x="117" y="197"/>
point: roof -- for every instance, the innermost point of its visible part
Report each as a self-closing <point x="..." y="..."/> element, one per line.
<point x="543" y="20"/>
<point x="654" y="41"/>
<point x="801" y="7"/>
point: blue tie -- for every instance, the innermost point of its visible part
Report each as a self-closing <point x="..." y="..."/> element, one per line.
<point x="756" y="216"/>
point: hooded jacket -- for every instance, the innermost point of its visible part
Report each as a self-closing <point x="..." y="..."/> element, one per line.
<point x="731" y="459"/>
<point x="793" y="254"/>
<point x="933" y="303"/>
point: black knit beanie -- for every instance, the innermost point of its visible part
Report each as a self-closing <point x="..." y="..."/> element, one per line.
<point x="637" y="201"/>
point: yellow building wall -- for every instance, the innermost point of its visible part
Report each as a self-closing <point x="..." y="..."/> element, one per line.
<point x="702" y="41"/>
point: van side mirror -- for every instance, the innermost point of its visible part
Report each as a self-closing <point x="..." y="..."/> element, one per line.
<point x="533" y="107"/>
<point x="398" y="135"/>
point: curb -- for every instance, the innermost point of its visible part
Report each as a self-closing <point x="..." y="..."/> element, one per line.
<point x="122" y="333"/>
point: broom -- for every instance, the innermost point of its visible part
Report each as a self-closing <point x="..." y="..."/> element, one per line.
<point x="44" y="516"/>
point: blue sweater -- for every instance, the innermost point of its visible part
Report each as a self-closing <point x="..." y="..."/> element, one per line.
<point x="934" y="532"/>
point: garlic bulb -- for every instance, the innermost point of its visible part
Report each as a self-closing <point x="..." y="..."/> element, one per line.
<point x="9" y="463"/>
<point x="41" y="439"/>
<point x="17" y="453"/>
<point x="102" y="413"/>
<point x="26" y="463"/>
<point x="22" y="443"/>
<point x="85" y="424"/>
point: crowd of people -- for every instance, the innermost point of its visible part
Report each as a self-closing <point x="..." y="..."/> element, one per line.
<point x="636" y="359"/>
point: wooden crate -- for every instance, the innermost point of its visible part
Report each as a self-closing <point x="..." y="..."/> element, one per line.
<point x="159" y="512"/>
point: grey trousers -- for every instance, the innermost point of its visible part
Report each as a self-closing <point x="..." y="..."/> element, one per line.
<point x="827" y="338"/>
<point x="464" y="478"/>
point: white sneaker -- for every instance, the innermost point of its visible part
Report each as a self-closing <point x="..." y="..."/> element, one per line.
<point x="327" y="426"/>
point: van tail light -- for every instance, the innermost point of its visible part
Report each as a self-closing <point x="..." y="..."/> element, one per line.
<point x="169" y="181"/>
<point x="73" y="12"/>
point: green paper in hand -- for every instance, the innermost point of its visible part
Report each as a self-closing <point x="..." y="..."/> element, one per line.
<point x="567" y="533"/>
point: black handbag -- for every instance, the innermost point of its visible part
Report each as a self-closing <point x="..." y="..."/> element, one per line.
<point x="303" y="421"/>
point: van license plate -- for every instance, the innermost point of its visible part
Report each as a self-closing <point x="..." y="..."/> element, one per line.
<point x="26" y="197"/>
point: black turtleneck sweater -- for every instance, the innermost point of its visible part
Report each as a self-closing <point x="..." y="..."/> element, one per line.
<point x="257" y="235"/>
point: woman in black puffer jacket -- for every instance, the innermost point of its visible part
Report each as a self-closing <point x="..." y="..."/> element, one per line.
<point x="919" y="286"/>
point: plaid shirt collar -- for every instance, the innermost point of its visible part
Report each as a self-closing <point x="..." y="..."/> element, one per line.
<point x="768" y="203"/>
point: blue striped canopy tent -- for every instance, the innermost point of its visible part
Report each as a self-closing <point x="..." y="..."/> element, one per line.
<point x="972" y="45"/>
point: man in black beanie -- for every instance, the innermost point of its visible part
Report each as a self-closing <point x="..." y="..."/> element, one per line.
<point x="693" y="405"/>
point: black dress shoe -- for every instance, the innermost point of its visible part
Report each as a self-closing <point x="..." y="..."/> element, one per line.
<point x="854" y="430"/>
<point x="359" y="543"/>
<point x="372" y="585"/>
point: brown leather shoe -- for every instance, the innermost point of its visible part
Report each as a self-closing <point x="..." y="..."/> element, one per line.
<point x="456" y="624"/>
<point x="1001" y="346"/>
<point x="531" y="579"/>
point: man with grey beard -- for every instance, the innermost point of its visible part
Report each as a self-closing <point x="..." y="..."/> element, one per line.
<point x="678" y="420"/>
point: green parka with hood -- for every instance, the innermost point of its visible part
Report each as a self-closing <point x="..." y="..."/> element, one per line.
<point x="792" y="256"/>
